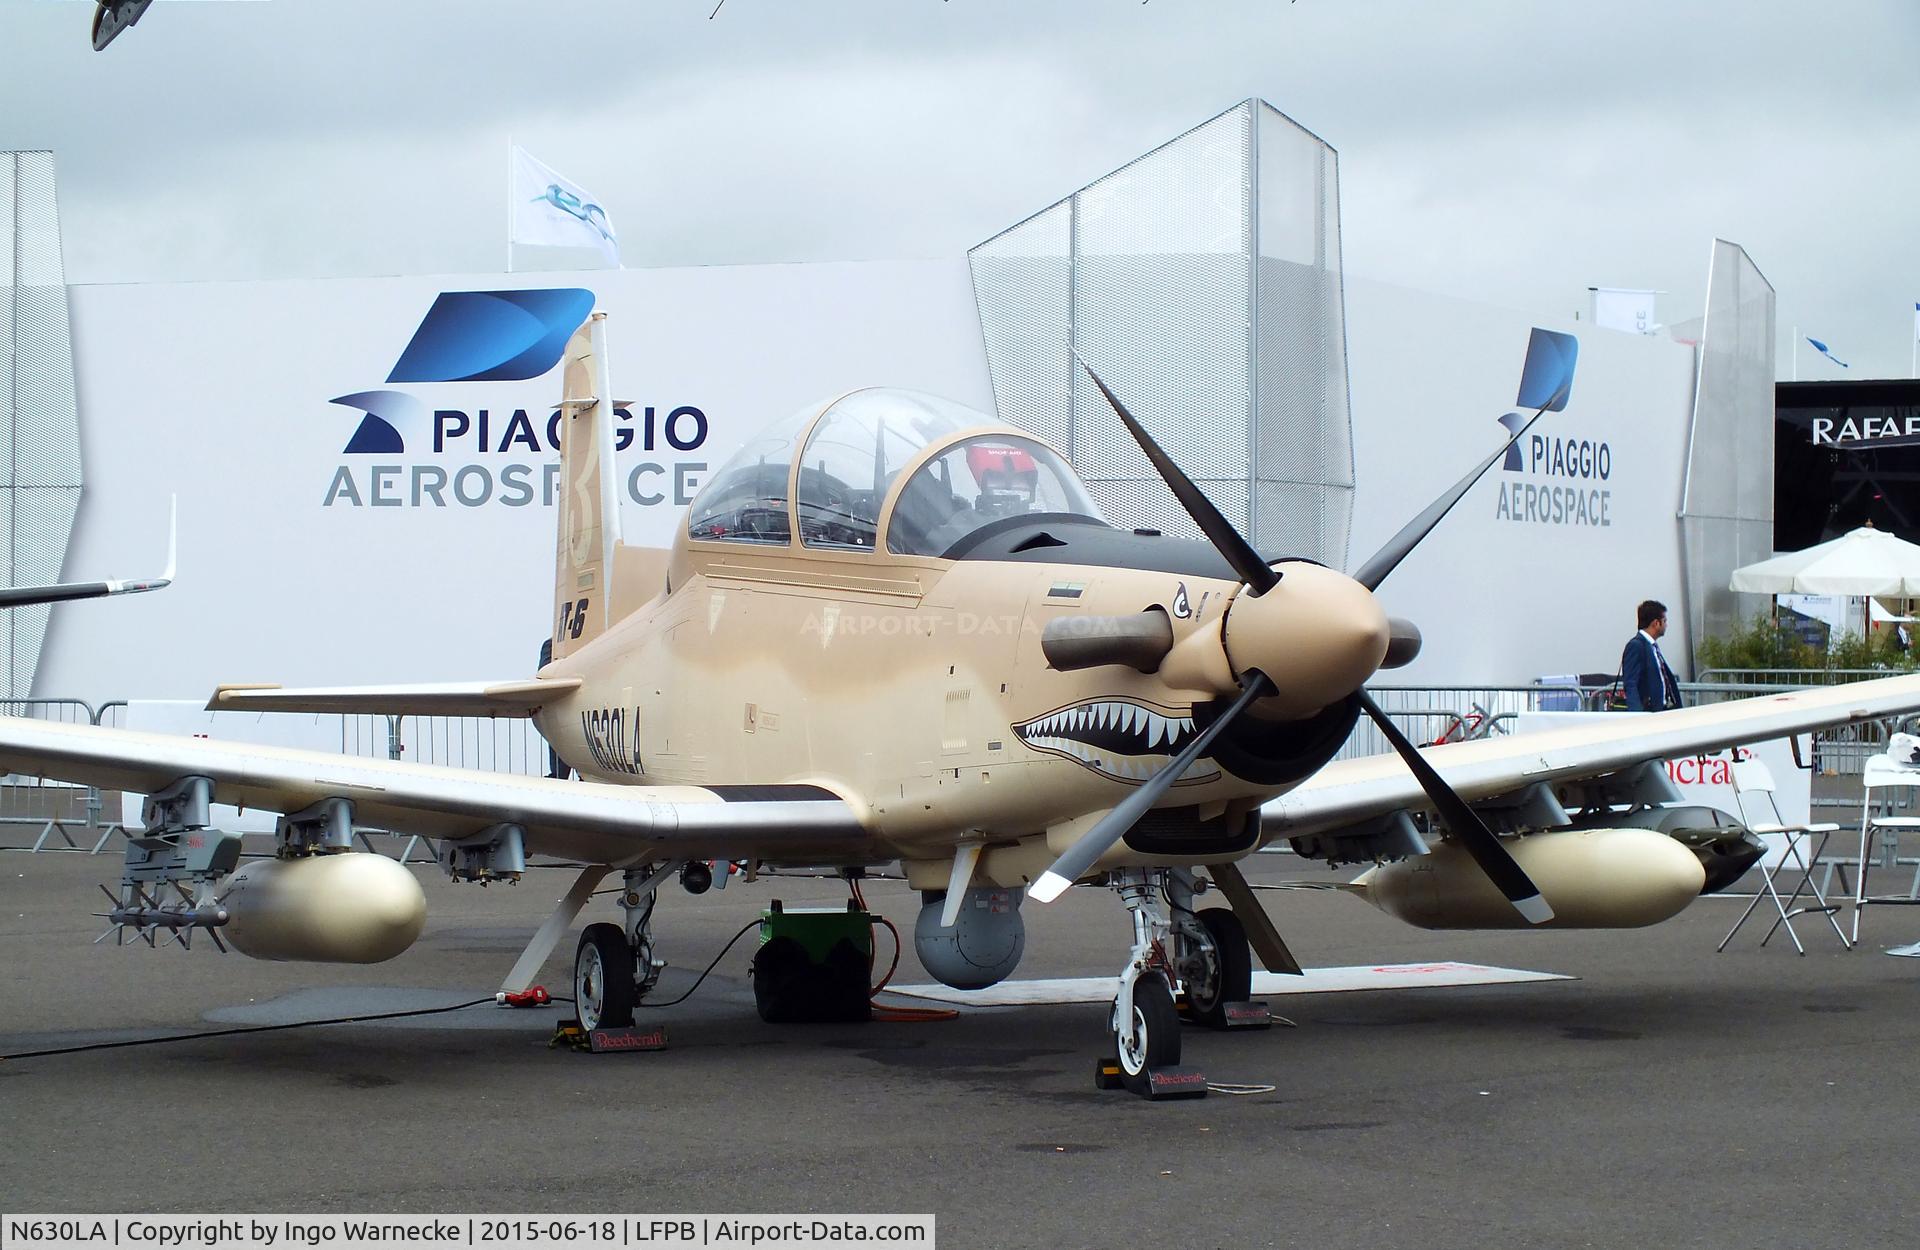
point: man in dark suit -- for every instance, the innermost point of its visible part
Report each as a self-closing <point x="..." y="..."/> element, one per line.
<point x="1644" y="676"/>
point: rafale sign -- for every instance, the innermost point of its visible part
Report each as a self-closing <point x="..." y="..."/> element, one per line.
<point x="1563" y="481"/>
<point x="1866" y="430"/>
<point x="445" y="450"/>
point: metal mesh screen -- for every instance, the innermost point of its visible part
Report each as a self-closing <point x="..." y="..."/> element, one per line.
<point x="1026" y="275"/>
<point x="39" y="425"/>
<point x="1202" y="281"/>
<point x="1726" y="510"/>
<point x="1303" y="451"/>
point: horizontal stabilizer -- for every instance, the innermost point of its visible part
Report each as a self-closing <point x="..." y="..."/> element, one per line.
<point x="589" y="401"/>
<point x="451" y="698"/>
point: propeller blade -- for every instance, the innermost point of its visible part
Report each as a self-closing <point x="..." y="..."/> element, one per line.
<point x="1255" y="572"/>
<point x="1388" y="558"/>
<point x="1094" y="842"/>
<point x="1465" y="824"/>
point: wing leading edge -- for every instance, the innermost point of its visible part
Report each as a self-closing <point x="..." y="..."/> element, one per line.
<point x="590" y="821"/>
<point x="1352" y="792"/>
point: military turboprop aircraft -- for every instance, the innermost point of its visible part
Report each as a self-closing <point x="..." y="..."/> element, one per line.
<point x="891" y="629"/>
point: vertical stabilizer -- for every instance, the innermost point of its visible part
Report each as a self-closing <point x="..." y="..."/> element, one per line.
<point x="589" y="503"/>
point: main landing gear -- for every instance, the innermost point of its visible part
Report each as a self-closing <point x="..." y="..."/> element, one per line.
<point x="1211" y="955"/>
<point x="1205" y="952"/>
<point x="614" y="965"/>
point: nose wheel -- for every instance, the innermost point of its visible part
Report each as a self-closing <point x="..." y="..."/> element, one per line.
<point x="1151" y="1037"/>
<point x="1144" y="1028"/>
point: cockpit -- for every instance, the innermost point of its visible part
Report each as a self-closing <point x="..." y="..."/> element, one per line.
<point x="833" y="475"/>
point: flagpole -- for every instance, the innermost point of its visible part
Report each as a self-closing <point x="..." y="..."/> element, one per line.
<point x="1796" y="340"/>
<point x="509" y="198"/>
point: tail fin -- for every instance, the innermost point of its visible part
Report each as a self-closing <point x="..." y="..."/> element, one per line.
<point x="589" y="495"/>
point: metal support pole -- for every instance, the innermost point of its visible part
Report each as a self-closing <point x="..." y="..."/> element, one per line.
<point x="549" y="934"/>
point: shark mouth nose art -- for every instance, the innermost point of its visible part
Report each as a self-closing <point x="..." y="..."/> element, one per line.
<point x="1117" y="738"/>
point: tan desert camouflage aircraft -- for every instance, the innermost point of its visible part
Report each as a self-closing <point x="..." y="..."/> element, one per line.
<point x="892" y="630"/>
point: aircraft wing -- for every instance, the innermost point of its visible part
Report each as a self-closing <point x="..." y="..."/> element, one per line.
<point x="1356" y="793"/>
<point x="590" y="821"/>
<point x="496" y="698"/>
<point x="63" y="592"/>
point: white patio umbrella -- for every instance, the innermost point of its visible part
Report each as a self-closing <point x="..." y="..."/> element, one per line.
<point x="1865" y="561"/>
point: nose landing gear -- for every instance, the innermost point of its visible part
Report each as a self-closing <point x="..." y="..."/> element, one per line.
<point x="1204" y="953"/>
<point x="1144" y="1027"/>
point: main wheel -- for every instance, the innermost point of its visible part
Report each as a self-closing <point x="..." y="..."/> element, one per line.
<point x="603" y="987"/>
<point x="1153" y="1038"/>
<point x="1228" y="969"/>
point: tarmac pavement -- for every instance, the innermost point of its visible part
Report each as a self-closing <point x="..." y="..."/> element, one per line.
<point x="1668" y="1097"/>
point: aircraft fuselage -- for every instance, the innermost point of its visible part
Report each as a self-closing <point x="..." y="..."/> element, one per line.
<point x="917" y="689"/>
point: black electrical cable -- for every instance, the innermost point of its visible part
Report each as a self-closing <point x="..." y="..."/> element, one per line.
<point x="751" y="924"/>
<point x="387" y="1015"/>
<point x="254" y="1028"/>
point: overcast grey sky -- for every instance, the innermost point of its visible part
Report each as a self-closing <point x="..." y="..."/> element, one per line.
<point x="1515" y="153"/>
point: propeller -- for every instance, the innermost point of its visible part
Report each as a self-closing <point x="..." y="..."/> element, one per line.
<point x="1480" y="842"/>
<point x="1464" y="823"/>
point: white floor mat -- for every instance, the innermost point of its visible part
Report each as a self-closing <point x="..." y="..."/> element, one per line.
<point x="1316" y="981"/>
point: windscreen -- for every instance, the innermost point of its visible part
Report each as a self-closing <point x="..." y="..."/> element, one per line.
<point x="976" y="482"/>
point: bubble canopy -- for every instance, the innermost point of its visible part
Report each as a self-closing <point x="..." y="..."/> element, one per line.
<point x="851" y="457"/>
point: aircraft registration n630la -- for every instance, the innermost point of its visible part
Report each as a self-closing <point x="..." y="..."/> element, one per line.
<point x="807" y="678"/>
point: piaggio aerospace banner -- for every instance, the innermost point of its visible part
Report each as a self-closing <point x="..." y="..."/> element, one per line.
<point x="365" y="468"/>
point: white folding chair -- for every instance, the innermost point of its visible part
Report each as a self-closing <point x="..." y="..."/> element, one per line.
<point x="1753" y="789"/>
<point x="1883" y="781"/>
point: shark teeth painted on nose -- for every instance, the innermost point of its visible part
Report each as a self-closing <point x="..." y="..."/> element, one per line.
<point x="1117" y="738"/>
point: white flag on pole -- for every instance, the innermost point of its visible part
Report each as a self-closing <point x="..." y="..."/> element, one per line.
<point x="1615" y="308"/>
<point x="549" y="211"/>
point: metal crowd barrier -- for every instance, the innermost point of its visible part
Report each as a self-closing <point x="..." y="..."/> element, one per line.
<point x="58" y="816"/>
<point x="1437" y="714"/>
<point x="488" y="743"/>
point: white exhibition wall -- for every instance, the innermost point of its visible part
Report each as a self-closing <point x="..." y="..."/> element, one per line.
<point x="1501" y="595"/>
<point x="220" y="393"/>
